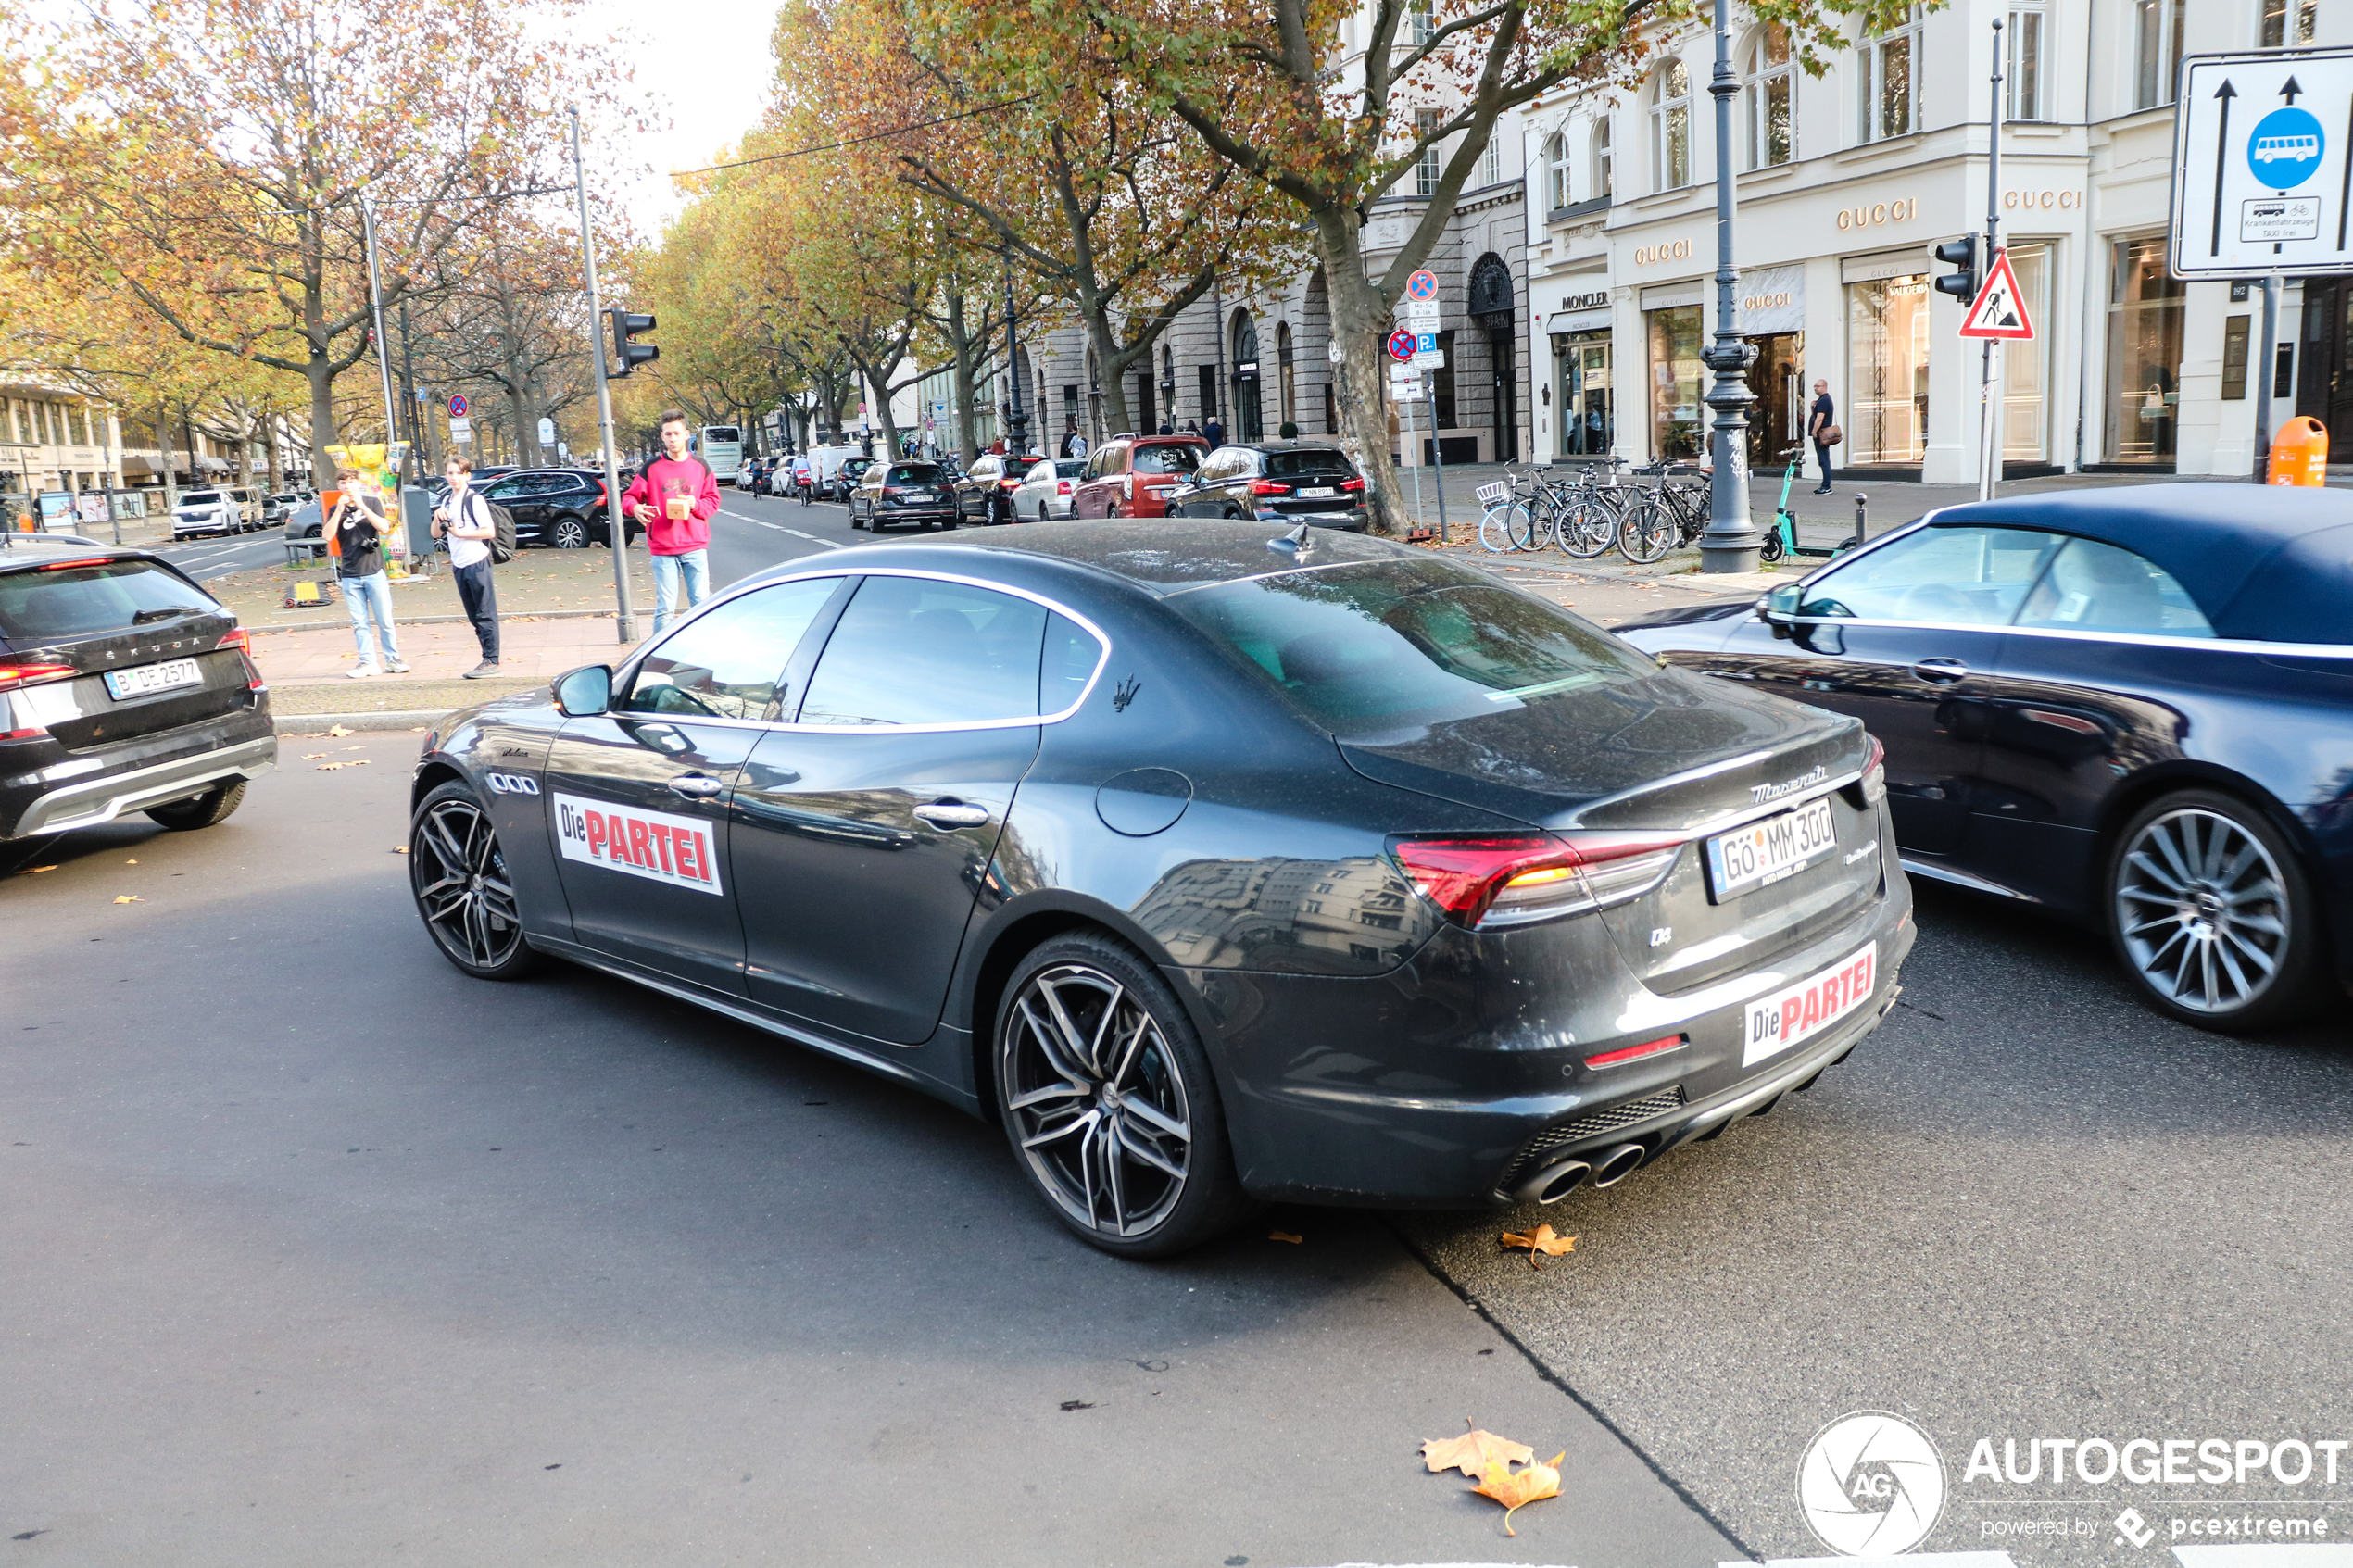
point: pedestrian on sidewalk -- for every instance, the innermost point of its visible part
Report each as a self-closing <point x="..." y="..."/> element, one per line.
<point x="1821" y="428"/>
<point x="356" y="532"/>
<point x="465" y="521"/>
<point x="1215" y="432"/>
<point x="675" y="499"/>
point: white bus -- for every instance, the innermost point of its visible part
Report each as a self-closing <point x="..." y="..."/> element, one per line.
<point x="722" y="446"/>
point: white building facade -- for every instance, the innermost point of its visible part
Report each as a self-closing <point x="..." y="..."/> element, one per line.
<point x="1847" y="180"/>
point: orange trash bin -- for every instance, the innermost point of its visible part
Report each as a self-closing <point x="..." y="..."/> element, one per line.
<point x="2300" y="453"/>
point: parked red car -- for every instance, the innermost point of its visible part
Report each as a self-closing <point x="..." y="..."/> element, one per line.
<point x="1132" y="476"/>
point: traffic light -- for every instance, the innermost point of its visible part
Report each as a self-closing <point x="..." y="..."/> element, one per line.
<point x="627" y="356"/>
<point x="1960" y="253"/>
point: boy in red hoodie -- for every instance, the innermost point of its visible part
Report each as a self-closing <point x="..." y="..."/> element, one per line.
<point x="675" y="498"/>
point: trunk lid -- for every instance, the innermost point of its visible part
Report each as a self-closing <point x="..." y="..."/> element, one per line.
<point x="121" y="617"/>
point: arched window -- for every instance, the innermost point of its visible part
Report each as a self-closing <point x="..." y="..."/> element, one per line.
<point x="1604" y="182"/>
<point x="1248" y="421"/>
<point x="1771" y="135"/>
<point x="1287" y="391"/>
<point x="1670" y="127"/>
<point x="1887" y="71"/>
<point x="1555" y="171"/>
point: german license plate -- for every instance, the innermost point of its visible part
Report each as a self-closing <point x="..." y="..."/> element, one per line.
<point x="1764" y="852"/>
<point x="1317" y="492"/>
<point x="144" y="679"/>
<point x="1781" y="1020"/>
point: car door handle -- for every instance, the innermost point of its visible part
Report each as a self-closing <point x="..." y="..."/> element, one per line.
<point x="1941" y="672"/>
<point x="695" y="787"/>
<point x="952" y="814"/>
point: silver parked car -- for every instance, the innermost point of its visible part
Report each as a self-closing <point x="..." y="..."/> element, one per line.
<point x="1045" y="490"/>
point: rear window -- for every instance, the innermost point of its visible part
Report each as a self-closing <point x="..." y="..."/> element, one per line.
<point x="1299" y="465"/>
<point x="1069" y="467"/>
<point x="913" y="473"/>
<point x="1373" y="649"/>
<point x="1165" y="460"/>
<point x="199" y="497"/>
<point x="37" y="607"/>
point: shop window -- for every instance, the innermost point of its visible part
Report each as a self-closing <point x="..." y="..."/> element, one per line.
<point x="2234" y="342"/>
<point x="1555" y="171"/>
<point x="1285" y="375"/>
<point x="1671" y="127"/>
<point x="2156" y="50"/>
<point x="1887" y="371"/>
<point x="1604" y="186"/>
<point x="2286" y="22"/>
<point x="1677" y="419"/>
<point x="2022" y="73"/>
<point x="1771" y="83"/>
<point x="1587" y="420"/>
<point x="1426" y="123"/>
<point x="2026" y="401"/>
<point x="2143" y="353"/>
<point x="1886" y="68"/>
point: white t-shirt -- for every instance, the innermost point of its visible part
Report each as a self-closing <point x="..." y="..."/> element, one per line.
<point x="472" y="513"/>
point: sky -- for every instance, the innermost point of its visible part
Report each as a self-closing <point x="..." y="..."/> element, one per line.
<point x="710" y="71"/>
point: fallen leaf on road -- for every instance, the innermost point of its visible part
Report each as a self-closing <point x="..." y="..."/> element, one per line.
<point x="331" y="767"/>
<point x="354" y="749"/>
<point x="1473" y="1452"/>
<point x="130" y="862"/>
<point x="129" y="898"/>
<point x="1285" y="1236"/>
<point x="341" y="730"/>
<point x="36" y="870"/>
<point x="401" y="850"/>
<point x="312" y="755"/>
<point x="1077" y="1405"/>
<point x="1517" y="1488"/>
<point x="1540" y="1239"/>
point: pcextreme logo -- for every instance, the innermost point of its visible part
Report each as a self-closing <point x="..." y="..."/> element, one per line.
<point x="1870" y="1484"/>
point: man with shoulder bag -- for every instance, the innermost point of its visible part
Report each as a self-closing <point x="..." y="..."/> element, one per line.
<point x="1822" y="426"/>
<point x="469" y="523"/>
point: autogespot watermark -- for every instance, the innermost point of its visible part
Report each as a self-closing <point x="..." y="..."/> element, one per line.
<point x="1872" y="1484"/>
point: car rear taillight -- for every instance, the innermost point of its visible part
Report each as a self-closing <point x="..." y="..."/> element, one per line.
<point x="1875" y="775"/>
<point x="70" y="565"/>
<point x="1269" y="487"/>
<point x="28" y="672"/>
<point x="1063" y="486"/>
<point x="1659" y="1046"/>
<point x="241" y="640"/>
<point x="1486" y="883"/>
<point x="1351" y="484"/>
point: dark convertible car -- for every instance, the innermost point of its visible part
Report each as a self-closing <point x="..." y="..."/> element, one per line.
<point x="2133" y="706"/>
<point x="1215" y="861"/>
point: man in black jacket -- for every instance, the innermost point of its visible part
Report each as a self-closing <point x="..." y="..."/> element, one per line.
<point x="356" y="531"/>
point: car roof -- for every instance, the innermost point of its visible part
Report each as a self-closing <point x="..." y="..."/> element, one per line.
<point x="2263" y="561"/>
<point x="25" y="550"/>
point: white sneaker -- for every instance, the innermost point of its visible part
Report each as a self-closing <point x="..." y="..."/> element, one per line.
<point x="360" y="671"/>
<point x="395" y="667"/>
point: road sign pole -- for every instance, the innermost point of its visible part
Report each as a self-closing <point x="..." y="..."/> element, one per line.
<point x="1437" y="459"/>
<point x="2262" y="472"/>
<point x="1989" y="425"/>
<point x="1414" y="459"/>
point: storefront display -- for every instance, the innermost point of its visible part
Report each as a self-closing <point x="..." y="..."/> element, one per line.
<point x="1678" y="417"/>
<point x="1588" y="427"/>
<point x="2144" y="355"/>
<point x="1887" y="370"/>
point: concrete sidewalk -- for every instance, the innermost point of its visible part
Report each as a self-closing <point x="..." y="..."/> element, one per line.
<point x="530" y="649"/>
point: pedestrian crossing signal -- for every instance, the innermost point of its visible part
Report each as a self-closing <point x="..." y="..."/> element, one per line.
<point x="2000" y="307"/>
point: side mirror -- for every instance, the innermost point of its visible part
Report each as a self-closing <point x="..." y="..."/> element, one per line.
<point x="1780" y="604"/>
<point x="585" y="691"/>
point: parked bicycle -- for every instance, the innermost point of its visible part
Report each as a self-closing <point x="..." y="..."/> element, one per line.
<point x="1668" y="515"/>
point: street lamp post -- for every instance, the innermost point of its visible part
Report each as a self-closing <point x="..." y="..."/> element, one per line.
<point x="1016" y="417"/>
<point x="1730" y="543"/>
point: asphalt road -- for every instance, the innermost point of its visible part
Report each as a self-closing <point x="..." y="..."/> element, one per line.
<point x="318" y="1252"/>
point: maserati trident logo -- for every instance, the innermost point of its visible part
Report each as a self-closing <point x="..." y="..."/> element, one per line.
<point x="1870" y="1484"/>
<point x="1762" y="793"/>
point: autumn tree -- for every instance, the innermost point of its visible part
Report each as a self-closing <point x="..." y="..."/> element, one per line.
<point x="232" y="214"/>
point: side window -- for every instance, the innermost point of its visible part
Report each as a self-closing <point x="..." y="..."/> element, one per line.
<point x="2093" y="587"/>
<point x="913" y="651"/>
<point x="504" y="491"/>
<point x="727" y="664"/>
<point x="1095" y="465"/>
<point x="1072" y="652"/>
<point x="1969" y="576"/>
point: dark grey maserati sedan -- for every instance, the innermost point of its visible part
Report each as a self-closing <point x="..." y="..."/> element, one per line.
<point x="1216" y="862"/>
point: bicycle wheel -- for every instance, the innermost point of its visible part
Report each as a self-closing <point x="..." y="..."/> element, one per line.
<point x="1588" y="527"/>
<point x="1502" y="527"/>
<point x="1647" y="532"/>
<point x="1527" y="528"/>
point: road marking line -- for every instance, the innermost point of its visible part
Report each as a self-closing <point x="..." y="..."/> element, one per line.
<point x="796" y="532"/>
<point x="827" y="542"/>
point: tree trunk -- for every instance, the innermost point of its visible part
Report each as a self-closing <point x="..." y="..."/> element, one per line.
<point x="960" y="405"/>
<point x="1110" y="368"/>
<point x="322" y="377"/>
<point x="163" y="456"/>
<point x="1359" y="322"/>
<point x="526" y="435"/>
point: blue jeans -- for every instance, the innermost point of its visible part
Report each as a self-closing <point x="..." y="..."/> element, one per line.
<point x="370" y="597"/>
<point x="694" y="567"/>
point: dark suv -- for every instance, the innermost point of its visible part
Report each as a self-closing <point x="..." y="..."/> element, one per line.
<point x="1276" y="482"/>
<point x="123" y="688"/>
<point x="903" y="492"/>
<point x="562" y="508"/>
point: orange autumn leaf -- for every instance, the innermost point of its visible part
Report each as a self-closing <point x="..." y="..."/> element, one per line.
<point x="1540" y="1239"/>
<point x="1473" y="1453"/>
<point x="1517" y="1488"/>
<point x="1286" y="1236"/>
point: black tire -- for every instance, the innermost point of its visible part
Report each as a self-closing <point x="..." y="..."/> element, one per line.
<point x="569" y="533"/>
<point x="2211" y="912"/>
<point x="855" y="520"/>
<point x="207" y="809"/>
<point x="1130" y="1153"/>
<point x="1771" y="550"/>
<point x="458" y="875"/>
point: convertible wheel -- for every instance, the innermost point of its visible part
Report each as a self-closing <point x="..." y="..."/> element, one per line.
<point x="2213" y="915"/>
<point x="569" y="534"/>
<point x="464" y="891"/>
<point x="1107" y="1098"/>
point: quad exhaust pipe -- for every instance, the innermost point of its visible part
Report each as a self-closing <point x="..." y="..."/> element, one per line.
<point x="1555" y="1182"/>
<point x="1618" y="1165"/>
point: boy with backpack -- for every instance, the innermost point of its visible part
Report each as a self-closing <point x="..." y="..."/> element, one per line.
<point x="471" y="527"/>
<point x="675" y="498"/>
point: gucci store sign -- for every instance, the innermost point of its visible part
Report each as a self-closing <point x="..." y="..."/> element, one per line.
<point x="1773" y="299"/>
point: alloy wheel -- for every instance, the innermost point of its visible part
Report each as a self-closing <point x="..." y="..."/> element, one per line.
<point x="1098" y="1101"/>
<point x="2202" y="910"/>
<point x="571" y="533"/>
<point x="462" y="887"/>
